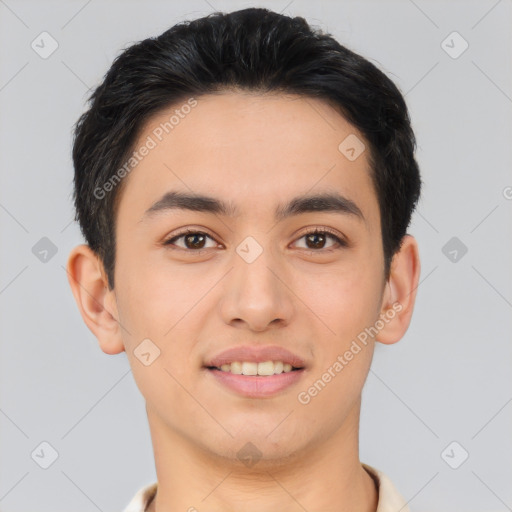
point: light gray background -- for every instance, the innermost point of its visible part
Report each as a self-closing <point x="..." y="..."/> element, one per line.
<point x="447" y="380"/>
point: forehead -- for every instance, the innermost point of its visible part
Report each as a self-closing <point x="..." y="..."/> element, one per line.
<point x="251" y="150"/>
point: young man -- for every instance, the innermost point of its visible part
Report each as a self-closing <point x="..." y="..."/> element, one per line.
<point x="244" y="185"/>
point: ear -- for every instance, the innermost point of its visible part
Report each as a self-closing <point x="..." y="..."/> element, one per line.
<point x="97" y="304"/>
<point x="400" y="292"/>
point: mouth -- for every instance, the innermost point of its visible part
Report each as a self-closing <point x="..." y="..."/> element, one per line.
<point x="255" y="385"/>
<point x="259" y="369"/>
<point x="256" y="371"/>
<point x="256" y="360"/>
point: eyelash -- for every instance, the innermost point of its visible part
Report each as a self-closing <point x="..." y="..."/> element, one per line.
<point x="316" y="231"/>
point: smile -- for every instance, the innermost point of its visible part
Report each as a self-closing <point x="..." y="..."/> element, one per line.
<point x="265" y="368"/>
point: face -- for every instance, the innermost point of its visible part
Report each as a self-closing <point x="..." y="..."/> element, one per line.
<point x="246" y="277"/>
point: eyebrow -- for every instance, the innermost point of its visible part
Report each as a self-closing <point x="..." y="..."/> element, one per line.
<point x="321" y="202"/>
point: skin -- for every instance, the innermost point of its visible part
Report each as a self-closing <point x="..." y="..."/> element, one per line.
<point x="256" y="151"/>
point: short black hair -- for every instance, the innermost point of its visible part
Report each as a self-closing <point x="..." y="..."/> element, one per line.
<point x="256" y="50"/>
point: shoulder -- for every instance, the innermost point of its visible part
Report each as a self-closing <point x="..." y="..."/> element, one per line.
<point x="390" y="500"/>
<point x="142" y="498"/>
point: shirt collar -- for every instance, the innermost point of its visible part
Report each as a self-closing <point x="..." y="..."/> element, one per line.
<point x="390" y="500"/>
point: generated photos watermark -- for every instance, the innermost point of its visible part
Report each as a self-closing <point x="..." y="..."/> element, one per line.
<point x="361" y="341"/>
<point x="151" y="142"/>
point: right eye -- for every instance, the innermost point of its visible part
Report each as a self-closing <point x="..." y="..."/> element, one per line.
<point x="193" y="240"/>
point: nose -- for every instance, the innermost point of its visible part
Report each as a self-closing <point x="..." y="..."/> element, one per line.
<point x="256" y="294"/>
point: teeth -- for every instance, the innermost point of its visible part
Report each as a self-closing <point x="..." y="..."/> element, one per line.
<point x="278" y="367"/>
<point x="235" y="368"/>
<point x="250" y="368"/>
<point x="266" y="368"/>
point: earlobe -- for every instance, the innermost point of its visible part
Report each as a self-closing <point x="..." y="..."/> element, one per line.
<point x="400" y="294"/>
<point x="95" y="301"/>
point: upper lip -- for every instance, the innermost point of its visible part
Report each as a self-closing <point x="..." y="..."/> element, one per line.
<point x="256" y="355"/>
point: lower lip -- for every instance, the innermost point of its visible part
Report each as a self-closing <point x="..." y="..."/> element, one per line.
<point x="253" y="386"/>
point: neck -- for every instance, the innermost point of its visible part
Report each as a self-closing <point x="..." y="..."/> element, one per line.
<point x="326" y="475"/>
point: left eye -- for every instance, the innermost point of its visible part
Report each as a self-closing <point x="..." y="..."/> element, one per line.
<point x="319" y="236"/>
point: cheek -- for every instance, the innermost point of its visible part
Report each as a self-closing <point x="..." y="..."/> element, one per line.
<point x="346" y="300"/>
<point x="158" y="310"/>
<point x="162" y="304"/>
<point x="153" y="294"/>
<point x="344" y="350"/>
